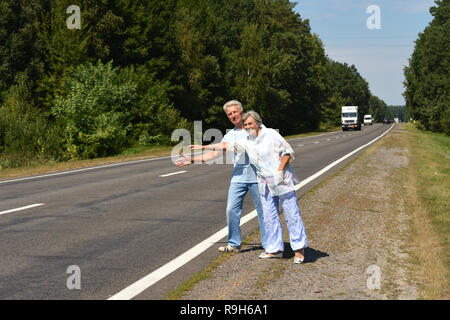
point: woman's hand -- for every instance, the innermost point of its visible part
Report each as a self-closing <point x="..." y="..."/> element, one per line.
<point x="278" y="177"/>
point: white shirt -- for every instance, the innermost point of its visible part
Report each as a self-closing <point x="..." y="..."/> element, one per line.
<point x="265" y="153"/>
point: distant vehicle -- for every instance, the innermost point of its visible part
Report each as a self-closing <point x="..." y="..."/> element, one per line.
<point x="350" y="118"/>
<point x="387" y="121"/>
<point x="367" y="119"/>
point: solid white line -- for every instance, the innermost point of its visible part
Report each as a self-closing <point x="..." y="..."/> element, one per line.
<point x="173" y="173"/>
<point x="82" y="170"/>
<point x="141" y="285"/>
<point x="149" y="280"/>
<point x="87" y="169"/>
<point x="331" y="165"/>
<point x="22" y="208"/>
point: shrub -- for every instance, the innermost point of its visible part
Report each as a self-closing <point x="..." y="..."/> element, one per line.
<point x="95" y="111"/>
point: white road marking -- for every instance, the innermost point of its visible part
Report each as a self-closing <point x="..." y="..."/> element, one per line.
<point x="22" y="208"/>
<point x="316" y="142"/>
<point x="322" y="134"/>
<point x="331" y="165"/>
<point x="82" y="170"/>
<point x="171" y="174"/>
<point x="87" y="169"/>
<point x="149" y="280"/>
<point x="300" y="145"/>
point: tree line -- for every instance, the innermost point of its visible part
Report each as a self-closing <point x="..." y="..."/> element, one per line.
<point x="136" y="70"/>
<point x="427" y="76"/>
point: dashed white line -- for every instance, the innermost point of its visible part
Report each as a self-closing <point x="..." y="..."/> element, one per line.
<point x="22" y="208"/>
<point x="318" y="135"/>
<point x="171" y="174"/>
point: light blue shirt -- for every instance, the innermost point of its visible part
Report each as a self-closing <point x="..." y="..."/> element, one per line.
<point x="243" y="172"/>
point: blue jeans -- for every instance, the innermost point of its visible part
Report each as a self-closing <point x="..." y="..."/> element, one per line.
<point x="236" y="195"/>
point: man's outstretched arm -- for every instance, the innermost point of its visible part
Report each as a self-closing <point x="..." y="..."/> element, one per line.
<point x="185" y="161"/>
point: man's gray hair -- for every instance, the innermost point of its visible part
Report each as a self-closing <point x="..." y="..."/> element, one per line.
<point x="232" y="103"/>
<point x="254" y="115"/>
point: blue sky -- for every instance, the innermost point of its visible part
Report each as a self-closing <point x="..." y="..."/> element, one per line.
<point x="379" y="54"/>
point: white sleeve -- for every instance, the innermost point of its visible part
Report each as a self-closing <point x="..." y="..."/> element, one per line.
<point x="284" y="147"/>
<point x="237" y="146"/>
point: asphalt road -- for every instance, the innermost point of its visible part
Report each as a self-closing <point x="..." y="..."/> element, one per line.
<point x="119" y="223"/>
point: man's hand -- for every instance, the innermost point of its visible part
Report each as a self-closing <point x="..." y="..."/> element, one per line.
<point x="183" y="161"/>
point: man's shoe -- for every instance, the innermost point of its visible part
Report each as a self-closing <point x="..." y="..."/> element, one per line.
<point x="228" y="249"/>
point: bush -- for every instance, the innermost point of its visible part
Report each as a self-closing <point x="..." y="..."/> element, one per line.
<point x="26" y="136"/>
<point x="26" y="139"/>
<point x="107" y="109"/>
<point x="95" y="111"/>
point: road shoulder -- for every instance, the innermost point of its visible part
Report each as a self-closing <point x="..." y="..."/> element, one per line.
<point x="358" y="230"/>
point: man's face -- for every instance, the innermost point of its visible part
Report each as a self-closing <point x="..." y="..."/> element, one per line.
<point x="234" y="114"/>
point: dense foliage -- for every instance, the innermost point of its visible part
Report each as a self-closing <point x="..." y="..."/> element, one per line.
<point x="427" y="76"/>
<point x="137" y="70"/>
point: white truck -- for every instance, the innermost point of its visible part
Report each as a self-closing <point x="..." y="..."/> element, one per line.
<point x="349" y="118"/>
<point x="367" y="119"/>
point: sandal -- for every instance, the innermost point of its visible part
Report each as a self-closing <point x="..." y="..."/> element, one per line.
<point x="265" y="255"/>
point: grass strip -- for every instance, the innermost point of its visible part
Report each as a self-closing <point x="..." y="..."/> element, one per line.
<point x="429" y="173"/>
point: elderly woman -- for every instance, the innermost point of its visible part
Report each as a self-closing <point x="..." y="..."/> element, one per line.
<point x="269" y="152"/>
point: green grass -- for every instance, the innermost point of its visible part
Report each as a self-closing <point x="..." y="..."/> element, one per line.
<point x="431" y="160"/>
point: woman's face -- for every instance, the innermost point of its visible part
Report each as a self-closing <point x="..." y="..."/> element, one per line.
<point x="251" y="126"/>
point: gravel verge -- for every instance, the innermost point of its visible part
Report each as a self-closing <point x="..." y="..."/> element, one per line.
<point x="358" y="229"/>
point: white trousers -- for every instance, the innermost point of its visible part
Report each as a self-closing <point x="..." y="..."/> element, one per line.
<point x="272" y="223"/>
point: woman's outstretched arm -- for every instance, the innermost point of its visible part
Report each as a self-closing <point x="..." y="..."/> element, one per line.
<point x="217" y="146"/>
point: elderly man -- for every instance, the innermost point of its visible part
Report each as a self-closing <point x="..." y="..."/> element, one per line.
<point x="243" y="179"/>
